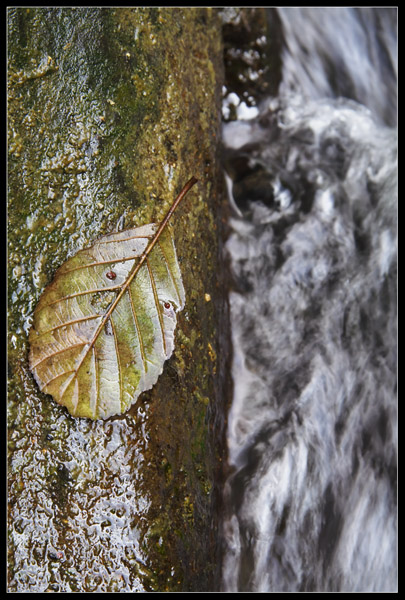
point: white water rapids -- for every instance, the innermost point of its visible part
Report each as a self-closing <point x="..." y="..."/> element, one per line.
<point x="310" y="501"/>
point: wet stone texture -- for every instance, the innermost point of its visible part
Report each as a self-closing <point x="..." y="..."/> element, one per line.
<point x="110" y="112"/>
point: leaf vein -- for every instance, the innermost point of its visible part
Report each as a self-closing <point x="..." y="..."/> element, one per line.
<point x="112" y="261"/>
<point x="56" y="377"/>
<point x="138" y="330"/>
<point x="57" y="352"/>
<point x="170" y="273"/>
<point x="128" y="239"/>
<point x="94" y="291"/>
<point x="69" y="323"/>
<point x="118" y="362"/>
<point x="157" y="304"/>
<point x="96" y="382"/>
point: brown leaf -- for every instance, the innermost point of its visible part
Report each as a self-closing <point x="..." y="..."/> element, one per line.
<point x="105" y="325"/>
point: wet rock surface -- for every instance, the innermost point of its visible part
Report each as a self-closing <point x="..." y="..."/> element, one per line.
<point x="110" y="113"/>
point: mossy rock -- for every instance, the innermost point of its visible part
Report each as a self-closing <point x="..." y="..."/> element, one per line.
<point x="111" y="111"/>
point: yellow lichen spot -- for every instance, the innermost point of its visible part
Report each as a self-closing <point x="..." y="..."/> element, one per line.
<point x="212" y="354"/>
<point x="207" y="297"/>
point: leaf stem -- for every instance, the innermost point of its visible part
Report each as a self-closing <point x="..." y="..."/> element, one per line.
<point x="171" y="210"/>
<point x="155" y="238"/>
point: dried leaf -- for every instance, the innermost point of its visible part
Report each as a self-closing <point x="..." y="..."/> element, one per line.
<point x="105" y="325"/>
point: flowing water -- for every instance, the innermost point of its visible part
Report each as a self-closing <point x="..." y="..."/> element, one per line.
<point x="310" y="499"/>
